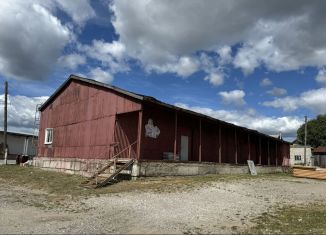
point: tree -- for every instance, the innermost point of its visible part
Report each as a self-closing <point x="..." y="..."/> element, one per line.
<point x="316" y="132"/>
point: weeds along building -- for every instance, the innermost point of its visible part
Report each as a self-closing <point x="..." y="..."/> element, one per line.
<point x="86" y="122"/>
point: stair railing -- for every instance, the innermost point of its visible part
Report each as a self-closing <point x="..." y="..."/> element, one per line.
<point x="113" y="160"/>
<point x="123" y="150"/>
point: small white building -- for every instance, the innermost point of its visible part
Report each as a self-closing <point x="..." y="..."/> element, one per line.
<point x="18" y="144"/>
<point x="297" y="155"/>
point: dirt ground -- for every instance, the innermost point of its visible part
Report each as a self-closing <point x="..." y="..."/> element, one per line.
<point x="228" y="206"/>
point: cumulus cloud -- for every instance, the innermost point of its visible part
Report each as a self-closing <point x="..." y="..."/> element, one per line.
<point x="312" y="99"/>
<point x="156" y="33"/>
<point x="215" y="79"/>
<point x="100" y="75"/>
<point x="79" y="10"/>
<point x="277" y="91"/>
<point x="72" y="61"/>
<point x="288" y="125"/>
<point x="184" y="67"/>
<point x="321" y="77"/>
<point x="31" y="39"/>
<point x="225" y="54"/>
<point x="234" y="97"/>
<point x="21" y="112"/>
<point x="110" y="54"/>
<point x="265" y="82"/>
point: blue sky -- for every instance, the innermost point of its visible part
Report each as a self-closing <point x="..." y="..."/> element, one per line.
<point x="262" y="67"/>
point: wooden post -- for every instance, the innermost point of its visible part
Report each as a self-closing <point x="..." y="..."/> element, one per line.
<point x="249" y="147"/>
<point x="236" y="146"/>
<point x="175" y="135"/>
<point x="219" y="144"/>
<point x="200" y="140"/>
<point x="140" y="120"/>
<point x="5" y="122"/>
<point x="276" y="153"/>
<point x="268" y="157"/>
<point x="129" y="151"/>
<point x="259" y="150"/>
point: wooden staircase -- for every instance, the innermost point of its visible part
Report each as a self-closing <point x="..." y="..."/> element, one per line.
<point x="109" y="173"/>
<point x="105" y="176"/>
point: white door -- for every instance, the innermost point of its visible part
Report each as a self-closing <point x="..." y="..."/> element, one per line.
<point x="184" y="148"/>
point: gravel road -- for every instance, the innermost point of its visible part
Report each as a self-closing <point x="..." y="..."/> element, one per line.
<point x="219" y="207"/>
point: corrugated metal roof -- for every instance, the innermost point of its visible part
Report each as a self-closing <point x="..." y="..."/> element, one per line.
<point x="320" y="149"/>
<point x="18" y="134"/>
<point x="141" y="98"/>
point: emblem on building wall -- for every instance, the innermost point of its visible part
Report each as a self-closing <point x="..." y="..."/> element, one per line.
<point x="151" y="130"/>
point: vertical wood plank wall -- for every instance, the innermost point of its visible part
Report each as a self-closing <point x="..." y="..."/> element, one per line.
<point x="89" y="121"/>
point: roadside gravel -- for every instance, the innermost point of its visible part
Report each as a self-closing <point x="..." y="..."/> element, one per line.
<point x="218" y="207"/>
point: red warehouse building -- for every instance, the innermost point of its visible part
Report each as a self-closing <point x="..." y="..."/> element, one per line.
<point x="92" y="121"/>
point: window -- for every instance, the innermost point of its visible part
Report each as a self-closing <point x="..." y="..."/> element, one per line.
<point x="48" y="136"/>
<point x="297" y="157"/>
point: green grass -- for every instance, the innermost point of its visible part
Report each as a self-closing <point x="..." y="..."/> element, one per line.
<point x="65" y="184"/>
<point x="303" y="219"/>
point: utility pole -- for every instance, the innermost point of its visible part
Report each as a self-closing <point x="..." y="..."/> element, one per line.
<point x="305" y="140"/>
<point x="5" y="122"/>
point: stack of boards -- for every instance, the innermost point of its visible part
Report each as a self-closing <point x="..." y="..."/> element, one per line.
<point x="309" y="172"/>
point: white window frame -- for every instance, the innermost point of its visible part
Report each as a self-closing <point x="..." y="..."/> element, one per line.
<point x="296" y="157"/>
<point x="48" y="136"/>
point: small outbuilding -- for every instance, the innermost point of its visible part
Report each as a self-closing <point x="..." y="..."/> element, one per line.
<point x="297" y="155"/>
<point x="18" y="144"/>
<point x="85" y="122"/>
<point x="319" y="156"/>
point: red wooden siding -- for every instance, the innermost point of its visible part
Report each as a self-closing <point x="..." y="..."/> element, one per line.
<point x="83" y="118"/>
<point x="125" y="134"/>
<point x="210" y="142"/>
<point x="91" y="121"/>
<point x="236" y="142"/>
<point x="164" y="119"/>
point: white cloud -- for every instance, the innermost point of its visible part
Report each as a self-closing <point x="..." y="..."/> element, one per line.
<point x="184" y="66"/>
<point x="288" y="125"/>
<point x="100" y="75"/>
<point x="277" y="91"/>
<point x="31" y="39"/>
<point x="225" y="54"/>
<point x="101" y="49"/>
<point x="287" y="103"/>
<point x="156" y="33"/>
<point x="79" y="10"/>
<point x="321" y="77"/>
<point x="234" y="97"/>
<point x="111" y="55"/>
<point x="265" y="82"/>
<point x="215" y="79"/>
<point x="72" y="61"/>
<point x="313" y="99"/>
<point x="21" y="112"/>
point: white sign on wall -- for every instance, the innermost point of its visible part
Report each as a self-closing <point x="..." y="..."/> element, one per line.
<point x="151" y="130"/>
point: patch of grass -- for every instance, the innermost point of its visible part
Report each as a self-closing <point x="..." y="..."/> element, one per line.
<point x="63" y="191"/>
<point x="65" y="184"/>
<point x="303" y="219"/>
<point x="49" y="181"/>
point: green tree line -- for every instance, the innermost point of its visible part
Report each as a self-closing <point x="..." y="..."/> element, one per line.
<point x="316" y="132"/>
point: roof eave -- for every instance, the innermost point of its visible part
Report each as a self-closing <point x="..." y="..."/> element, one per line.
<point x="155" y="101"/>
